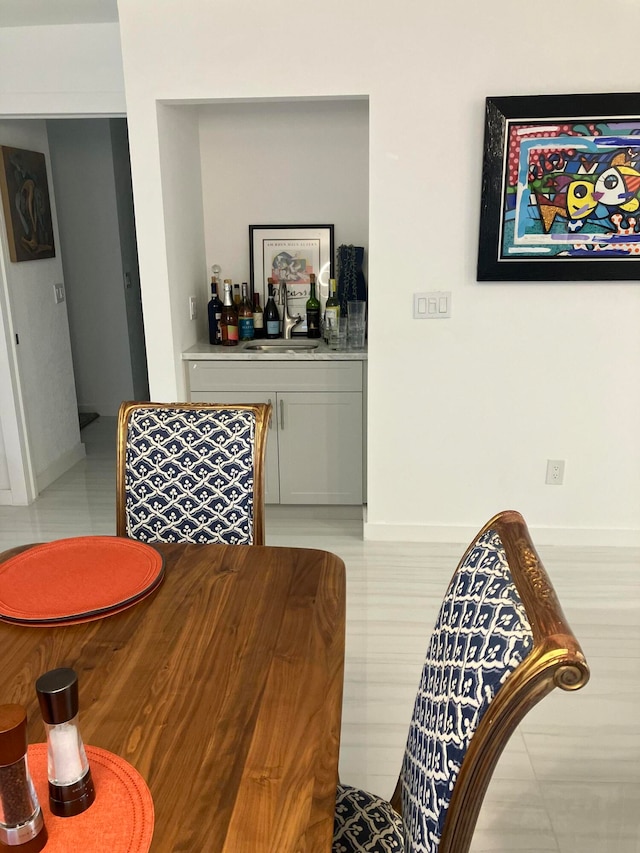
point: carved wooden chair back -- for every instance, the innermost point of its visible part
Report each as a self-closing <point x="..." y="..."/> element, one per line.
<point x="191" y="472"/>
<point x="500" y="644"/>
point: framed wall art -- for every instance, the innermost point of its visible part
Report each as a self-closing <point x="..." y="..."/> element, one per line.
<point x="292" y="253"/>
<point x="25" y="201"/>
<point x="561" y="188"/>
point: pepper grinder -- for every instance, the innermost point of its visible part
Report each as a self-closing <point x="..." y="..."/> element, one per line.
<point x="21" y="821"/>
<point x="71" y="788"/>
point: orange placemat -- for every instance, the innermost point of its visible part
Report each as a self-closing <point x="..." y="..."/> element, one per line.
<point x="120" y="820"/>
<point x="76" y="580"/>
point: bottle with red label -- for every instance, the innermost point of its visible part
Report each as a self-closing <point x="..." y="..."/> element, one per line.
<point x="229" y="319"/>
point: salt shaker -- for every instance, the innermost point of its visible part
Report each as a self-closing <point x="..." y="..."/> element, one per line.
<point x="21" y="821"/>
<point x="71" y="789"/>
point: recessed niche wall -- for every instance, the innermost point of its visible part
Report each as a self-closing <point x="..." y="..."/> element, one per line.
<point x="292" y="162"/>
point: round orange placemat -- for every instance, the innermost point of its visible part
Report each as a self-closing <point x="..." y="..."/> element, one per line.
<point x="78" y="579"/>
<point x="121" y="818"/>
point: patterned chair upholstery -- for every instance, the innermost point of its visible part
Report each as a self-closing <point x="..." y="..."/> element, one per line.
<point x="500" y="642"/>
<point x="191" y="472"/>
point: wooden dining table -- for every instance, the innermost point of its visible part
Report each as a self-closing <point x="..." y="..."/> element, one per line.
<point x="223" y="688"/>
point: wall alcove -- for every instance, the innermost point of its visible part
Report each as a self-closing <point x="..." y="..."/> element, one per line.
<point x="229" y="164"/>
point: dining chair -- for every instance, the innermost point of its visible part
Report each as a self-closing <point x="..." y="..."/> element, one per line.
<point x="500" y="644"/>
<point x="191" y="472"/>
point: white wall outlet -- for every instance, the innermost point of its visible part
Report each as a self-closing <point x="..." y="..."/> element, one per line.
<point x="193" y="307"/>
<point x="555" y="472"/>
<point x="58" y="293"/>
<point x="434" y="305"/>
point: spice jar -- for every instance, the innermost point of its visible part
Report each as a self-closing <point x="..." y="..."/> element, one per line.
<point x="71" y="788"/>
<point x="21" y="821"/>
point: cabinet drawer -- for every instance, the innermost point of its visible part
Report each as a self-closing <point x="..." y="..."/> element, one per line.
<point x="283" y="376"/>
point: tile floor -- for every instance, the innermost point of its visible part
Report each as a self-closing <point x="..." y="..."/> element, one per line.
<point x="569" y="780"/>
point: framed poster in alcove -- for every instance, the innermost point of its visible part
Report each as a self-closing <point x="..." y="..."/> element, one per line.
<point x="292" y="253"/>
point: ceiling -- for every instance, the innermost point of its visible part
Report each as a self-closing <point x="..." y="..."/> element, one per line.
<point x="33" y="13"/>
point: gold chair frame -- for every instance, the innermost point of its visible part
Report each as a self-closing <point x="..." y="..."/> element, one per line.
<point x="556" y="660"/>
<point x="262" y="412"/>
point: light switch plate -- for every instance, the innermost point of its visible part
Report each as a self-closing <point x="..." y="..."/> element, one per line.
<point x="433" y="305"/>
<point x="193" y="307"/>
<point x="58" y="293"/>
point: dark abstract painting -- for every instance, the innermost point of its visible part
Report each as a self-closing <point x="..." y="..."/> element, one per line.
<point x="25" y="200"/>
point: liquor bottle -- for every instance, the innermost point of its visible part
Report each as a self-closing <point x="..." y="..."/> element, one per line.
<point x="237" y="299"/>
<point x="282" y="296"/>
<point x="245" y="316"/>
<point x="271" y="314"/>
<point x="313" y="310"/>
<point x="229" y="319"/>
<point x="214" y="309"/>
<point x="331" y="311"/>
<point x="258" y="317"/>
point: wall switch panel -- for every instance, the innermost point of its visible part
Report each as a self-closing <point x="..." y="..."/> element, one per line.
<point x="433" y="305"/>
<point x="193" y="307"/>
<point x="58" y="293"/>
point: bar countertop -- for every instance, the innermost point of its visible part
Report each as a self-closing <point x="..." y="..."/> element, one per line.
<point x="206" y="352"/>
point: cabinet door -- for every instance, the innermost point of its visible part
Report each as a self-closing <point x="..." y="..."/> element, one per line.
<point x="271" y="478"/>
<point x="320" y="447"/>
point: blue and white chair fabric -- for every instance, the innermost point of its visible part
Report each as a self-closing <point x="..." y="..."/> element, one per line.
<point x="481" y="635"/>
<point x="189" y="474"/>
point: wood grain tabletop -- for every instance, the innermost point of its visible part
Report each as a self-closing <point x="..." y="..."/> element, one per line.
<point x="223" y="688"/>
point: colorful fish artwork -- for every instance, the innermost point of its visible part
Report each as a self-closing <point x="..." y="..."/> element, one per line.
<point x="571" y="188"/>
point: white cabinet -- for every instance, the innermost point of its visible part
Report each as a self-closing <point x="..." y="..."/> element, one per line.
<point x="320" y="447"/>
<point x="315" y="443"/>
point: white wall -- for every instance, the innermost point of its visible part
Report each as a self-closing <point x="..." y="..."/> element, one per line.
<point x="280" y="163"/>
<point x="61" y="70"/>
<point x="44" y="352"/>
<point x="84" y="180"/>
<point x="46" y="72"/>
<point x="462" y="413"/>
<point x="181" y="184"/>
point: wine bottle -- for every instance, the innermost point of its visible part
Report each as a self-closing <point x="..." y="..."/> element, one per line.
<point x="229" y="319"/>
<point x="331" y="311"/>
<point x="271" y="314"/>
<point x="245" y="316"/>
<point x="313" y="310"/>
<point x="214" y="309"/>
<point x="258" y="317"/>
<point x="237" y="299"/>
<point x="282" y="297"/>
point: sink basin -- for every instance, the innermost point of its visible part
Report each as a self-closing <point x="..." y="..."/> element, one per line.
<point x="281" y="346"/>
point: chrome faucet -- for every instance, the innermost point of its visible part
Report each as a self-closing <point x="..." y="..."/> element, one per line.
<point x="288" y="322"/>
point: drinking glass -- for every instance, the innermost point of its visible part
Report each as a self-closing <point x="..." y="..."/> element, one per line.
<point x="356" y="324"/>
<point x="338" y="335"/>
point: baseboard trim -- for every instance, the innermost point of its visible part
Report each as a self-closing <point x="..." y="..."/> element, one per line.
<point x="6" y="497"/>
<point x="462" y="535"/>
<point x="60" y="466"/>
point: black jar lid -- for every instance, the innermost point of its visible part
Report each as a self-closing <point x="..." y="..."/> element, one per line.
<point x="58" y="695"/>
<point x="13" y="734"/>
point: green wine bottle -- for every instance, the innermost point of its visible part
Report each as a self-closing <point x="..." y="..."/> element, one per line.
<point x="313" y="310"/>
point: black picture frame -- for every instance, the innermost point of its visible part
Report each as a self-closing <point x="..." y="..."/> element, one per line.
<point x="303" y="249"/>
<point x="543" y="139"/>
